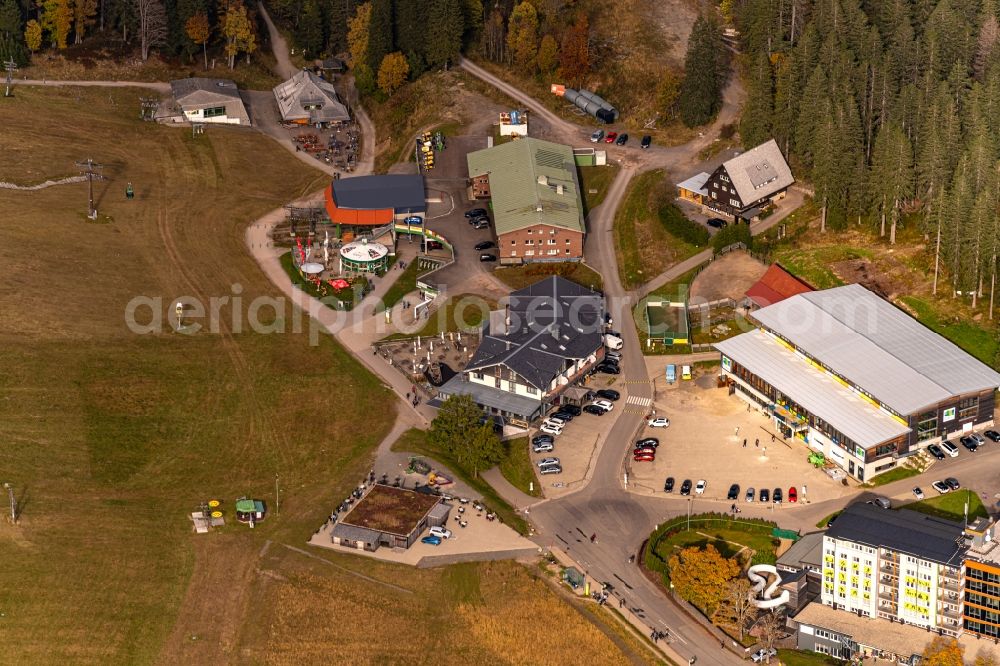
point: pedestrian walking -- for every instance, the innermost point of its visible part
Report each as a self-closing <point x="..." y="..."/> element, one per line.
<point x="593" y="538"/>
<point x="744" y="443"/>
<point x="756" y="442"/>
<point x="772" y="437"/>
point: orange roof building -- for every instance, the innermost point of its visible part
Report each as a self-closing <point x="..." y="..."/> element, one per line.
<point x="774" y="286"/>
<point x="374" y="200"/>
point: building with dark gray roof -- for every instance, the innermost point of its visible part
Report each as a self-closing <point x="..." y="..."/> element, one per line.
<point x="375" y="200"/>
<point x="545" y="339"/>
<point x="203" y="100"/>
<point x="308" y="98"/>
<point x="856" y="378"/>
<point x="902" y="565"/>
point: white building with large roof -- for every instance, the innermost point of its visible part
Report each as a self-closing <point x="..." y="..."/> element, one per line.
<point x="856" y="378"/>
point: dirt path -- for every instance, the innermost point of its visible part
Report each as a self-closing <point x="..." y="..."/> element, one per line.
<point x="153" y="85"/>
<point x="283" y="67"/>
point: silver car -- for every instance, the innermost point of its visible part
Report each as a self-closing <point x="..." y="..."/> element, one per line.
<point x="550" y="469"/>
<point x="749" y="496"/>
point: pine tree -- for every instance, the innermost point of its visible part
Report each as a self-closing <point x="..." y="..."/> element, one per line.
<point x="380" y="33"/>
<point x="10" y="18"/>
<point x="892" y="175"/>
<point x="704" y="74"/>
<point x="310" y="33"/>
<point x="444" y="40"/>
<point x="413" y="28"/>
<point x="755" y="124"/>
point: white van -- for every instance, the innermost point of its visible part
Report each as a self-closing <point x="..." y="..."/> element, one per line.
<point x="613" y="342"/>
<point x="949" y="448"/>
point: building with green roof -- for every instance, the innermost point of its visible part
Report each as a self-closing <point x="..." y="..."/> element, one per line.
<point x="535" y="193"/>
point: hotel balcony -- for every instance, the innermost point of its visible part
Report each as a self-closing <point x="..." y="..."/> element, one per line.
<point x="952" y="612"/>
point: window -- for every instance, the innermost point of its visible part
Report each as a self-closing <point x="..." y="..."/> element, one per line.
<point x="734" y="203"/>
<point x="477" y="375"/>
<point x="568" y="241"/>
<point x="529" y="231"/>
<point x="715" y="185"/>
<point x="885" y="449"/>
<point x="513" y="253"/>
<point x="567" y="250"/>
<point x="968" y="407"/>
<point x="715" y="195"/>
<point x="531" y="390"/>
<point x="552" y="232"/>
<point x="551" y="252"/>
<point x="214" y="112"/>
<point x="723" y="177"/>
<point x="529" y="242"/>
<point x="552" y="241"/>
<point x="529" y="253"/>
<point x="513" y="242"/>
<point x="927" y="426"/>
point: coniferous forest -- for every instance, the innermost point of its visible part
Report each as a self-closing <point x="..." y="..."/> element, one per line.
<point x="890" y="109"/>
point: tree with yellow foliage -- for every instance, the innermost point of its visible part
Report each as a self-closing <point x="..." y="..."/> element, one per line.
<point x="392" y="72"/>
<point x="33" y="36"/>
<point x="83" y="16"/>
<point x="358" y="28"/>
<point x="238" y="31"/>
<point x="198" y="31"/>
<point x="943" y="652"/>
<point x="702" y="575"/>
<point x="56" y="20"/>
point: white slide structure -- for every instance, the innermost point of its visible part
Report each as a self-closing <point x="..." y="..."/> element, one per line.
<point x="763" y="590"/>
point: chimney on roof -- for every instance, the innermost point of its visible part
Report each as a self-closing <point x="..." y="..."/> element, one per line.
<point x="543" y="180"/>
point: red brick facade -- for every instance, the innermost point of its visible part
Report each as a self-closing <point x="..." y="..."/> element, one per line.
<point x="540" y="242"/>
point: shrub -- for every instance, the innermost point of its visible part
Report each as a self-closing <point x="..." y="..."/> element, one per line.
<point x="734" y="233"/>
<point x="677" y="224"/>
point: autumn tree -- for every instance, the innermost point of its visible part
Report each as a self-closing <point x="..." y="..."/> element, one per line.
<point x="357" y="46"/>
<point x="57" y="20"/>
<point x="493" y="41"/>
<point x="238" y="32"/>
<point x="702" y="576"/>
<point x="33" y="35"/>
<point x="667" y="92"/>
<point x="152" y="25"/>
<point x="770" y="627"/>
<point x="522" y="36"/>
<point x="737" y="609"/>
<point x="548" y="54"/>
<point x="574" y="54"/>
<point x="198" y="31"/>
<point x="984" y="658"/>
<point x="83" y="17"/>
<point x="943" y="651"/>
<point x="393" y="72"/>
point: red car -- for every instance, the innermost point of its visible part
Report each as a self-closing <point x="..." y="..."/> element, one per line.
<point x="644" y="457"/>
<point x="645" y="449"/>
<point x="792" y="495"/>
<point x="610" y="138"/>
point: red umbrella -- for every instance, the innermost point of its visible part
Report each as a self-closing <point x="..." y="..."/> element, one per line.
<point x="339" y="284"/>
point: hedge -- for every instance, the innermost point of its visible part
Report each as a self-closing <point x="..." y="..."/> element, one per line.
<point x="678" y="225"/>
<point x="734" y="233"/>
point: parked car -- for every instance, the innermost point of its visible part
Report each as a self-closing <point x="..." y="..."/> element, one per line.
<point x="969" y="443"/>
<point x="610" y="138"/>
<point x="606" y="405"/>
<point x="609" y="394"/>
<point x="430" y="245"/>
<point x="763" y="654"/>
<point x="777" y="496"/>
<point x="686" y="487"/>
<point x="550" y="469"/>
<point x="936" y="451"/>
<point x="593" y="409"/>
<point x="717" y="222"/>
<point x="485" y="245"/>
<point x="918" y="493"/>
<point x="658" y="422"/>
<point x="953" y="483"/>
<point x="644" y="450"/>
<point x="481" y="223"/>
<point x="565" y="417"/>
<point x="977" y="438"/>
<point x="644" y="457"/>
<point x="475" y="212"/>
<point x="621" y="140"/>
<point x="941" y="487"/>
<point x="793" y="495"/>
<point x="646" y="141"/>
<point x="949" y="448"/>
<point x="734" y="492"/>
<point x="748" y="498"/>
<point x="442" y="532"/>
<point x="432" y="540"/>
<point x="570" y="409"/>
<point x="543" y="447"/>
<point x="699" y="488"/>
<point x="597" y="135"/>
<point x="540" y="439"/>
<point x="556" y="418"/>
<point x="648" y="441"/>
<point x="882" y="502"/>
<point x="608" y="368"/>
<point x="615" y="356"/>
<point x="993" y="435"/>
<point x="487" y="257"/>
<point x="551" y="428"/>
<point x="668" y="485"/>
<point x="764" y="496"/>
<point x="548" y="461"/>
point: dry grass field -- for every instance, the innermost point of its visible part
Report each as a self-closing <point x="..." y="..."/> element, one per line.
<point x="303" y="611"/>
<point x="110" y="437"/>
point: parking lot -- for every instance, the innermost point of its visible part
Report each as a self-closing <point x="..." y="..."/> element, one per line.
<point x="705" y="440"/>
<point x="580" y="442"/>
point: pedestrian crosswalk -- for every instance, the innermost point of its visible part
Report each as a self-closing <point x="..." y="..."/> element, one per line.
<point x="635" y="381"/>
<point x="640" y="401"/>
